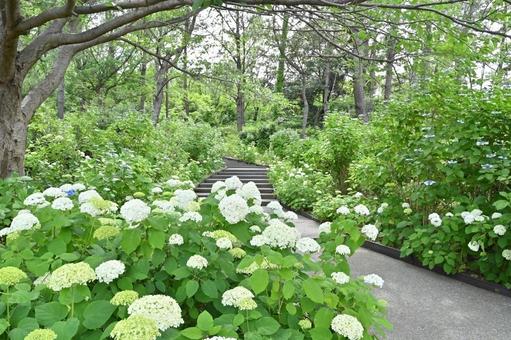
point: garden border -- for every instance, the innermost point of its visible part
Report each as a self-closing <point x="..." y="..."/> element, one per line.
<point x="394" y="253"/>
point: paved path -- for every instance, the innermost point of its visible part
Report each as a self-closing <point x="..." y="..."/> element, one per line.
<point x="423" y="305"/>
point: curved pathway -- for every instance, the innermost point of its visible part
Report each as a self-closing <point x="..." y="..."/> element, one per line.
<point x="422" y="305"/>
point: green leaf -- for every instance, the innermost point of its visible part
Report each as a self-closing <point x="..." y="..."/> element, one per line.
<point x="157" y="238"/>
<point x="288" y="290"/>
<point x="209" y="289"/>
<point x="57" y="246"/>
<point x="238" y="320"/>
<point x="291" y="309"/>
<point x="313" y="290"/>
<point x="320" y="334"/>
<point x="192" y="333"/>
<point x="191" y="288"/>
<point x="130" y="240"/>
<point x="501" y="204"/>
<point x="49" y="313"/>
<point x="66" y="330"/>
<point x="259" y="280"/>
<point x="267" y="326"/>
<point x="205" y="321"/>
<point x="3" y="325"/>
<point x="323" y="318"/>
<point x="97" y="313"/>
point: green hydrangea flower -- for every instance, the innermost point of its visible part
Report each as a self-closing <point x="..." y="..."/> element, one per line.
<point x="41" y="334"/>
<point x="135" y="327"/>
<point x="247" y="304"/>
<point x="9" y="276"/>
<point x="71" y="274"/>
<point x="124" y="298"/>
<point x="305" y="324"/>
<point x="105" y="232"/>
<point x="237" y="253"/>
<point x="139" y="194"/>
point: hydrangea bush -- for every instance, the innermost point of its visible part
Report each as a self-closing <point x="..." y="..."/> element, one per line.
<point x="138" y="270"/>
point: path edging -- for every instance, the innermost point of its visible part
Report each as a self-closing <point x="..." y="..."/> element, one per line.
<point x="394" y="253"/>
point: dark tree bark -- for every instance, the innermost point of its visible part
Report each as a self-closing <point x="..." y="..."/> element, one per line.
<point x="282" y="44"/>
<point x="389" y="67"/>
<point x="305" y="110"/>
<point x="61" y="99"/>
<point x="143" y="71"/>
<point x="240" y="67"/>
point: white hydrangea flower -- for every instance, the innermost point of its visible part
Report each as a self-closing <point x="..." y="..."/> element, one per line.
<point x="176" y="239"/>
<point x="435" y="219"/>
<point x="183" y="198"/>
<point x="54" y="192"/>
<point x="496" y="215"/>
<point x="499" y="229"/>
<point x="340" y="278"/>
<point x="370" y="231"/>
<point x="219" y="338"/>
<point x="347" y="326"/>
<point x="135" y="211"/>
<point x="67" y="187"/>
<point x="191" y="216"/>
<point x="373" y="279"/>
<point x="343" y="250"/>
<point x="164" y="310"/>
<point x="343" y="210"/>
<point x="233" y="183"/>
<point x="405" y="205"/>
<point x="88" y="195"/>
<point x="224" y="243"/>
<point x="35" y="199"/>
<point x="90" y="208"/>
<point x="506" y="253"/>
<point x="234" y="297"/>
<point x="156" y="190"/>
<point x="62" y="203"/>
<point x="70" y="274"/>
<point x="249" y="191"/>
<point x="78" y="187"/>
<point x="255" y="229"/>
<point x="307" y="245"/>
<point x="290" y="215"/>
<point x="358" y="195"/>
<point x="24" y="220"/>
<point x="325" y="227"/>
<point x="382" y="207"/>
<point x="109" y="270"/>
<point x="197" y="262"/>
<point x="473" y="245"/>
<point x="256" y="209"/>
<point x="276" y="208"/>
<point x="217" y="186"/>
<point x="468" y="218"/>
<point x="280" y="235"/>
<point x="258" y="241"/>
<point x="234" y="208"/>
<point x="165" y="206"/>
<point x="361" y="210"/>
<point x="449" y="214"/>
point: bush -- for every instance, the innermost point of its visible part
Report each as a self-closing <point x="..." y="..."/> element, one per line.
<point x="281" y="140"/>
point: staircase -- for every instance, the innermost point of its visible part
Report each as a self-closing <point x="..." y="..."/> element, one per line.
<point x="246" y="173"/>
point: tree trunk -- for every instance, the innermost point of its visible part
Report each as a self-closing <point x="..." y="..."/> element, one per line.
<point x="161" y="81"/>
<point x="305" y="107"/>
<point x="240" y="107"/>
<point x="167" y="103"/>
<point x="389" y="67"/>
<point x="326" y="91"/>
<point x="143" y="71"/>
<point x="61" y="99"/>
<point x="13" y="130"/>
<point x="358" y="91"/>
<point x="279" y="84"/>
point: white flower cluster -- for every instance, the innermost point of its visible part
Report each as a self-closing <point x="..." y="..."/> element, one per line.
<point x="197" y="262"/>
<point x="290" y="216"/>
<point x="163" y="309"/>
<point x="156" y="190"/>
<point x="217" y="186"/>
<point x="347" y="326"/>
<point x="234" y="208"/>
<point x="325" y="227"/>
<point x="183" y="198"/>
<point x="224" y="243"/>
<point x="176" y="239"/>
<point x="499" y="229"/>
<point x="343" y="210"/>
<point x="361" y="210"/>
<point x="70" y="274"/>
<point x="435" y="219"/>
<point x="496" y="215"/>
<point x="233" y="183"/>
<point x="255" y="229"/>
<point x="307" y="245"/>
<point x="382" y="208"/>
<point x="63" y="204"/>
<point x="35" y="199"/>
<point x="343" y="250"/>
<point x="191" y="216"/>
<point x="173" y="182"/>
<point x="340" y="278"/>
<point x="219" y="338"/>
<point x="54" y="192"/>
<point x="165" y="206"/>
<point x="135" y="211"/>
<point x="506" y="253"/>
<point x="374" y="279"/>
<point x="277" y="235"/>
<point x="474" y="245"/>
<point x="370" y="231"/>
<point x="239" y="297"/>
<point x="109" y="270"/>
<point x="88" y="195"/>
<point x="276" y="208"/>
<point x="470" y="217"/>
<point x="250" y="191"/>
<point x="24" y="220"/>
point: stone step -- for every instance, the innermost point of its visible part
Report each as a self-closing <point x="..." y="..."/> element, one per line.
<point x="246" y="169"/>
<point x="201" y="188"/>
<point x="264" y="196"/>
<point x="260" y="186"/>
<point x="247" y="177"/>
<point x="210" y="180"/>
